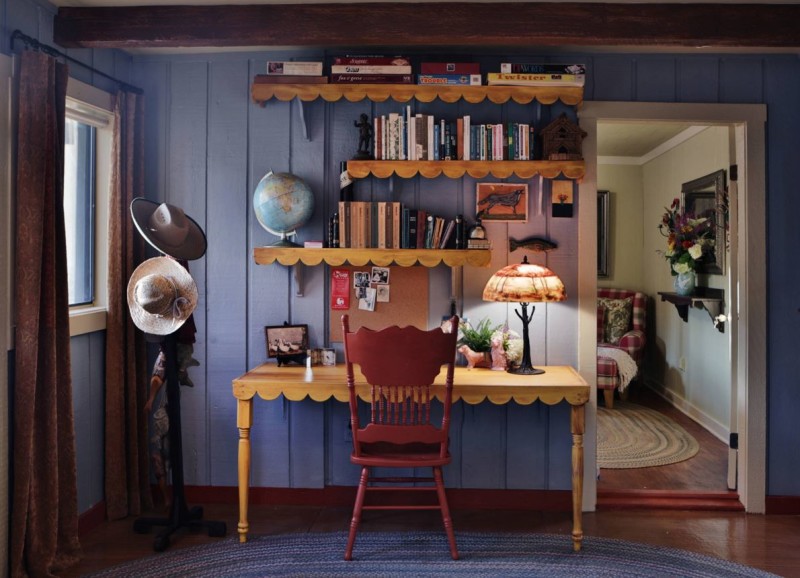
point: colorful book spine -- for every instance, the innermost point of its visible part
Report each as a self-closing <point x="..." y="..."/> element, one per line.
<point x="450" y="68"/>
<point x="371" y="60"/>
<point x="297" y="68"/>
<point x="289" y="79"/>
<point x="542" y="68"/>
<point x="522" y="79"/>
<point x="372" y="78"/>
<point x="447" y="79"/>
<point x="369" y="69"/>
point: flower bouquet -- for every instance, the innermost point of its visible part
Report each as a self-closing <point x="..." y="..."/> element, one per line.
<point x="689" y="239"/>
<point x="511" y="343"/>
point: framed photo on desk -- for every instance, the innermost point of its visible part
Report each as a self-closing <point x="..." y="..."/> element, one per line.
<point x="286" y="340"/>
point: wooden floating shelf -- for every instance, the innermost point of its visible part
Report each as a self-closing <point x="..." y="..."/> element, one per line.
<point x="380" y="257"/>
<point x="475" y="169"/>
<point x="704" y="298"/>
<point x="569" y="95"/>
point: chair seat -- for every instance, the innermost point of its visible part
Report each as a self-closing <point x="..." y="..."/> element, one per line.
<point x="388" y="455"/>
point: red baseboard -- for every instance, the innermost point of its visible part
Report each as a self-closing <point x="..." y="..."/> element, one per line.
<point x="461" y="498"/>
<point x="92" y="518"/>
<point x="782" y="505"/>
<point x="668" y="500"/>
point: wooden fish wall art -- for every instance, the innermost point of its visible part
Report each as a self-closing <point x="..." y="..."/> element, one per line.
<point x="535" y="244"/>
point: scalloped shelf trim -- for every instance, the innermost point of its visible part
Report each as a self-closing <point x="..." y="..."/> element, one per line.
<point x="381" y="257"/>
<point x="475" y="169"/>
<point x="569" y="95"/>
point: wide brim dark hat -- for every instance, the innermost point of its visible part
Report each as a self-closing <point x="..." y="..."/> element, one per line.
<point x="179" y="236"/>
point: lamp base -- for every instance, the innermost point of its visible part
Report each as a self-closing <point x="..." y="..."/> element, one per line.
<point x="522" y="370"/>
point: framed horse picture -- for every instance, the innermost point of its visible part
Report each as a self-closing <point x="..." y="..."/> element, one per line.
<point x="502" y="202"/>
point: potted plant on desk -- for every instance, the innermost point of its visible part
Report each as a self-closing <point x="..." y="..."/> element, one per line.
<point x="475" y="343"/>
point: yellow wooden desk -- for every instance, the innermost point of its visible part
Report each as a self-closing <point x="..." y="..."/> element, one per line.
<point x="557" y="384"/>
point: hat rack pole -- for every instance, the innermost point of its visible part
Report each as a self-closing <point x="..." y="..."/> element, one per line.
<point x="180" y="514"/>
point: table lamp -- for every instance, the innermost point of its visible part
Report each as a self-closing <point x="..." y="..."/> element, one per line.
<point x="524" y="283"/>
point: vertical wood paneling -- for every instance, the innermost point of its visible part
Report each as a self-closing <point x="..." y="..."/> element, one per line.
<point x="782" y="91"/>
<point x="559" y="453"/>
<point x="656" y="79"/>
<point x="527" y="446"/>
<point x="228" y="202"/>
<point x="186" y="182"/>
<point x="741" y="79"/>
<point x="153" y="78"/>
<point x="306" y="418"/>
<point x="305" y="444"/>
<point x="82" y="407"/>
<point x="268" y="288"/>
<point x="483" y="446"/>
<point x="698" y="79"/>
<point x="613" y="78"/>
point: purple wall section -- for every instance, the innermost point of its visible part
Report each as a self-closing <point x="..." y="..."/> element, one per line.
<point x="208" y="145"/>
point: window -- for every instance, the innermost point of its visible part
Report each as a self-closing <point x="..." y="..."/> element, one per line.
<point x="79" y="203"/>
<point x="87" y="172"/>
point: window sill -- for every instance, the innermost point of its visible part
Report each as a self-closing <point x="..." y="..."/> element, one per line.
<point x="84" y="320"/>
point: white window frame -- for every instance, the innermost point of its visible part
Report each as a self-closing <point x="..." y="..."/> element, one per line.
<point x="92" y="106"/>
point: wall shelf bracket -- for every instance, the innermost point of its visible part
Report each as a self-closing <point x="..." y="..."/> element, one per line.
<point x="712" y="300"/>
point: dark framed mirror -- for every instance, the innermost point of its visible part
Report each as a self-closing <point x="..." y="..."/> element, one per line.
<point x="707" y="197"/>
<point x="603" y="217"/>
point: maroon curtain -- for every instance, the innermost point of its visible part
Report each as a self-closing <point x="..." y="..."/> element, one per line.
<point x="127" y="480"/>
<point x="44" y="519"/>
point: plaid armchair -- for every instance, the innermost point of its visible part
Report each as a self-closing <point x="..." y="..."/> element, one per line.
<point x="632" y="339"/>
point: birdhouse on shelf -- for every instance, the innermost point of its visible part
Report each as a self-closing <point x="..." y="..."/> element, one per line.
<point x="561" y="140"/>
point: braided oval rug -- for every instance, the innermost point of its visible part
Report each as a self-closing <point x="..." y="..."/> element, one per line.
<point x="426" y="554"/>
<point x="632" y="436"/>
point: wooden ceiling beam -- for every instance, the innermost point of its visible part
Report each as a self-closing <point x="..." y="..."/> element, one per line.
<point x="432" y="24"/>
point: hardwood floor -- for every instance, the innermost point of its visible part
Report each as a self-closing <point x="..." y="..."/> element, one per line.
<point x="771" y="543"/>
<point x="706" y="472"/>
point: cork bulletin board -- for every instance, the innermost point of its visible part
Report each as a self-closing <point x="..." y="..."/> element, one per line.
<point x="408" y="303"/>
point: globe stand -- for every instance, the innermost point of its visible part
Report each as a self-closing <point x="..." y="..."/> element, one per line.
<point x="285" y="242"/>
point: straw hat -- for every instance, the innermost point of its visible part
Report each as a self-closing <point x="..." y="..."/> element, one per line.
<point x="168" y="229"/>
<point x="161" y="295"/>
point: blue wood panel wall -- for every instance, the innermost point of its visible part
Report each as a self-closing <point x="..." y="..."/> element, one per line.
<point x="234" y="142"/>
<point x="208" y="146"/>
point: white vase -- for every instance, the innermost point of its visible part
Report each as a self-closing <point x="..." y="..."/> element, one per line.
<point x="685" y="283"/>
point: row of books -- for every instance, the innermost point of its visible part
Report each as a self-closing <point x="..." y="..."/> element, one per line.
<point x="389" y="225"/>
<point x="407" y="136"/>
<point x="398" y="70"/>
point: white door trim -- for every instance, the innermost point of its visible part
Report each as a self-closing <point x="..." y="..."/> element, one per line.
<point x="749" y="313"/>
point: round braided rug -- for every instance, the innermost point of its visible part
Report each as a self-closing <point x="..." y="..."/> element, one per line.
<point x="425" y="554"/>
<point x="632" y="436"/>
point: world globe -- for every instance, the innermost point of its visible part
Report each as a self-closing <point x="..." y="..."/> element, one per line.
<point x="283" y="203"/>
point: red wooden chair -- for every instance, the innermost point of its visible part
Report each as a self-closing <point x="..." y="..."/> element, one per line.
<point x="400" y="364"/>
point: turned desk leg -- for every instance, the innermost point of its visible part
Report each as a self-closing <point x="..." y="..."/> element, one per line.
<point x="244" y="420"/>
<point x="577" y="424"/>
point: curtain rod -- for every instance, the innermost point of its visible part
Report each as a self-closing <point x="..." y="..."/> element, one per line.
<point x="36" y="45"/>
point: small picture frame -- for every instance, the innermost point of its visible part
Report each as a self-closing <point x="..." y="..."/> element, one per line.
<point x="286" y="342"/>
<point x="502" y="202"/>
<point x="380" y="276"/>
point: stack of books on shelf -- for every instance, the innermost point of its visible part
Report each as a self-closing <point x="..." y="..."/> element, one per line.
<point x="450" y="73"/>
<point x="421" y="137"/>
<point x="290" y="72"/>
<point x="370" y="69"/>
<point x="389" y="225"/>
<point x="533" y="74"/>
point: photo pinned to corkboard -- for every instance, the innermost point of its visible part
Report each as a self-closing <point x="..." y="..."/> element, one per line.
<point x="502" y="202"/>
<point x="402" y="300"/>
<point x="562" y="198"/>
